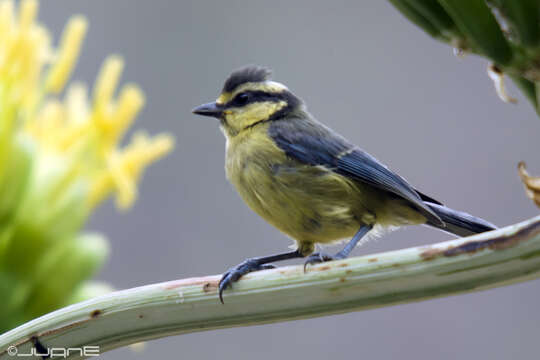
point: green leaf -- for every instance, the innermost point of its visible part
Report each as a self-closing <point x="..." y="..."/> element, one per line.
<point x="12" y="187"/>
<point x="62" y="269"/>
<point x="416" y="17"/>
<point x="528" y="88"/>
<point x="523" y="18"/>
<point x="435" y="14"/>
<point x="475" y="20"/>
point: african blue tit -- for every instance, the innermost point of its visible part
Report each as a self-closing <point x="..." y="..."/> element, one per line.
<point x="307" y="180"/>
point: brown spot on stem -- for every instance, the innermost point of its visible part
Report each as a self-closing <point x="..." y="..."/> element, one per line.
<point x="170" y="285"/>
<point x="430" y="254"/>
<point x="210" y="287"/>
<point x="373" y="260"/>
<point x="343" y="265"/>
<point x="324" y="268"/>
<point x="94" y="314"/>
<point x="496" y="243"/>
<point x="342" y="279"/>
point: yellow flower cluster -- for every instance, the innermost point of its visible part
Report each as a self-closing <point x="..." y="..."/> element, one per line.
<point x="87" y="131"/>
<point x="60" y="157"/>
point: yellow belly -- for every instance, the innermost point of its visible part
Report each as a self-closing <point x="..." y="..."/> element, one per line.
<point x="311" y="204"/>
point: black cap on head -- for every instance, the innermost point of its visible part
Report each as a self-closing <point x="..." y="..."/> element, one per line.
<point x="250" y="73"/>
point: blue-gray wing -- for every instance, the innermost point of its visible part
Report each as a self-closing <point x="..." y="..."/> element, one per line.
<point x="313" y="143"/>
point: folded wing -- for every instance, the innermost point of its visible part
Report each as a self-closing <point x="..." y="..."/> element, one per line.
<point x="313" y="143"/>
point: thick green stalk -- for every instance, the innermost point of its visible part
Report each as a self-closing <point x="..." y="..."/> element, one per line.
<point x="475" y="263"/>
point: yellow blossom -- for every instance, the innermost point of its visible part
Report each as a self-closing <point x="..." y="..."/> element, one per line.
<point x="70" y="126"/>
<point x="60" y="157"/>
<point x="69" y="51"/>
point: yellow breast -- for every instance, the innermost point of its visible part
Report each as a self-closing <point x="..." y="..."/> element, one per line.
<point x="309" y="203"/>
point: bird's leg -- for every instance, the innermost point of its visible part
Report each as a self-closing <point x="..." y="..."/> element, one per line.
<point x="320" y="257"/>
<point x="250" y="265"/>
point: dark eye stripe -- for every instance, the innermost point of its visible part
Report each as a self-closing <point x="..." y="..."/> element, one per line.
<point x="253" y="97"/>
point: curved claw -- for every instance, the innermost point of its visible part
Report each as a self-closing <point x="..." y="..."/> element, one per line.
<point x="317" y="258"/>
<point x="233" y="274"/>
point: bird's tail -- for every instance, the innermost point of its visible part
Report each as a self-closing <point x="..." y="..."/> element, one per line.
<point x="457" y="222"/>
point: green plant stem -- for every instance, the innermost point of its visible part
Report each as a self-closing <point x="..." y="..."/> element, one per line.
<point x="479" y="262"/>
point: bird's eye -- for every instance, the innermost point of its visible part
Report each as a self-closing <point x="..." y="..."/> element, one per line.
<point x="241" y="99"/>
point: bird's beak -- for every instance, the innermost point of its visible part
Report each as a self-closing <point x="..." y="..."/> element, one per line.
<point x="211" y="109"/>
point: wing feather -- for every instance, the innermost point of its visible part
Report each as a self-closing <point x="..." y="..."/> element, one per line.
<point x="312" y="143"/>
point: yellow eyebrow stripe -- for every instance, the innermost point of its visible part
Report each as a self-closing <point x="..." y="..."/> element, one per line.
<point x="267" y="86"/>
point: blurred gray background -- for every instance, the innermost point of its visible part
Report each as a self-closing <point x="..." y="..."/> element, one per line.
<point x="368" y="73"/>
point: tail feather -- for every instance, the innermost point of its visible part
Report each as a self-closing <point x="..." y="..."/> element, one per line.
<point x="457" y="222"/>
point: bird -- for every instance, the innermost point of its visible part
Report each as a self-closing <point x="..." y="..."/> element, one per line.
<point x="307" y="180"/>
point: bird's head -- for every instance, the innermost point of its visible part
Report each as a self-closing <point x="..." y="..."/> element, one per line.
<point x="250" y="98"/>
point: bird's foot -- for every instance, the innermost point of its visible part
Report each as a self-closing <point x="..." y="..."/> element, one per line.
<point x="233" y="274"/>
<point x="320" y="257"/>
